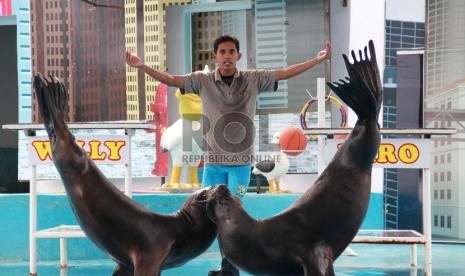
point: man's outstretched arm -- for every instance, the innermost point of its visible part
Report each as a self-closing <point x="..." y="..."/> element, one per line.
<point x="163" y="77"/>
<point x="296" y="69"/>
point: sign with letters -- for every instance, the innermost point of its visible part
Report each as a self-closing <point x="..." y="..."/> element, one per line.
<point x="111" y="149"/>
<point x="394" y="153"/>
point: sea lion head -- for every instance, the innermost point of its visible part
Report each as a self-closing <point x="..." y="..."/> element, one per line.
<point x="222" y="204"/>
<point x="196" y="206"/>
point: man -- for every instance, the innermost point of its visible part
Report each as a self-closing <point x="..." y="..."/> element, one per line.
<point x="228" y="104"/>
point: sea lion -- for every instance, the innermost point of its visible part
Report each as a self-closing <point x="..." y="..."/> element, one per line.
<point x="140" y="241"/>
<point x="312" y="232"/>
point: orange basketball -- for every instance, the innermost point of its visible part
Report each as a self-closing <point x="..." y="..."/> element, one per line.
<point x="292" y="141"/>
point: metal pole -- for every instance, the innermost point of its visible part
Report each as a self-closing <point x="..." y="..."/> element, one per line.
<point x="63" y="253"/>
<point x="32" y="220"/>
<point x="413" y="255"/>
<point x="321" y="94"/>
<point x="427" y="220"/>
<point x="128" y="167"/>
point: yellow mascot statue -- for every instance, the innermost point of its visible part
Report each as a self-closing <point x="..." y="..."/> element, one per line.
<point x="190" y="109"/>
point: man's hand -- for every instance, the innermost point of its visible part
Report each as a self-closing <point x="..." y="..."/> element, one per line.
<point x="133" y="60"/>
<point x="324" y="54"/>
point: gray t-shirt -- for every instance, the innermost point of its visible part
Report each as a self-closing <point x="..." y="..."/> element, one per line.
<point x="229" y="111"/>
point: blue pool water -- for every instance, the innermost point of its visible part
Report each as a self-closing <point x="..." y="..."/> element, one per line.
<point x="371" y="260"/>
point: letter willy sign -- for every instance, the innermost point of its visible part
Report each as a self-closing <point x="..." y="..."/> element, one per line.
<point x="394" y="153"/>
<point x="111" y="149"/>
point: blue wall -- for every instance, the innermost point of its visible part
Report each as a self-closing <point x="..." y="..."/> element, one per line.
<point x="21" y="10"/>
<point x="54" y="210"/>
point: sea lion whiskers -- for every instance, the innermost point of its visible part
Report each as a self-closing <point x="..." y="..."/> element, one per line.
<point x="187" y="216"/>
<point x="211" y="195"/>
<point x="204" y="195"/>
<point x="211" y="211"/>
<point x="200" y="198"/>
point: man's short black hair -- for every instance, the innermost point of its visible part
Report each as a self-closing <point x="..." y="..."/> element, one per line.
<point x="225" y="38"/>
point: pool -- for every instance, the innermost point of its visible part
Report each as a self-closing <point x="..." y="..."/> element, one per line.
<point x="371" y="260"/>
<point x="85" y="259"/>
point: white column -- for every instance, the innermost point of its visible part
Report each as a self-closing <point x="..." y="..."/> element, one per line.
<point x="32" y="220"/>
<point x="128" y="167"/>
<point x="321" y="95"/>
<point x="63" y="253"/>
<point x="427" y="220"/>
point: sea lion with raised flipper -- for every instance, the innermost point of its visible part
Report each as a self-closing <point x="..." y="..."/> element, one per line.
<point x="312" y="232"/>
<point x="140" y="241"/>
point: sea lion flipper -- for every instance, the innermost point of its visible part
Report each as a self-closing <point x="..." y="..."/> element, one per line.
<point x="356" y="94"/>
<point x="320" y="262"/>
<point x="377" y="80"/>
<point x="363" y="92"/>
<point x="39" y="84"/>
<point x="53" y="103"/>
<point x="57" y="99"/>
<point x="121" y="270"/>
<point x="43" y="89"/>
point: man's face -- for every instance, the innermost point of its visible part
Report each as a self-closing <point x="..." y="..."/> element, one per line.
<point x="226" y="58"/>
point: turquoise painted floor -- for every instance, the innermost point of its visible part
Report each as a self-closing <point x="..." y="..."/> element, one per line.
<point x="389" y="260"/>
